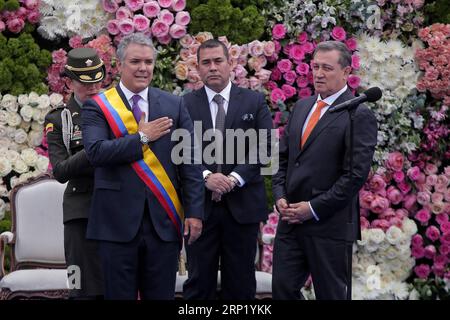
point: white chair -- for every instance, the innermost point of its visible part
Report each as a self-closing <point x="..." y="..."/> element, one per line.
<point x="37" y="264"/>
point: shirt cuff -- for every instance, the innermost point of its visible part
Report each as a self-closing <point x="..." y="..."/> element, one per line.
<point x="313" y="212"/>
<point x="239" y="178"/>
<point x="205" y="173"/>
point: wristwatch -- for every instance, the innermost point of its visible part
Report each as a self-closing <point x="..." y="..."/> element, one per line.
<point x="144" y="138"/>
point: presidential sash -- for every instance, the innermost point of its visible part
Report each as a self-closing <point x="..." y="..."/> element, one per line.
<point x="149" y="169"/>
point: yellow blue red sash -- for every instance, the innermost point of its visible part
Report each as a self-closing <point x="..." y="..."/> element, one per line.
<point x="149" y="169"/>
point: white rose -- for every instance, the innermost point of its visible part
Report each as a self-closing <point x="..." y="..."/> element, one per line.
<point x="20" y="166"/>
<point x="33" y="99"/>
<point x="400" y="290"/>
<point x="414" y="295"/>
<point x="5" y="142"/>
<point x="30" y="156"/>
<point x="36" y="126"/>
<point x="42" y="164"/>
<point x="14" y="181"/>
<point x="10" y="131"/>
<point x="3" y="191"/>
<point x="25" y="176"/>
<point x="12" y="155"/>
<point x="20" y="136"/>
<point x="391" y="253"/>
<point x="25" y="126"/>
<point x="3" y="132"/>
<point x="56" y="99"/>
<point x="3" y="117"/>
<point x="394" y="235"/>
<point x="23" y="99"/>
<point x="36" y="114"/>
<point x="27" y="113"/>
<point x="2" y="209"/>
<point x="35" y="138"/>
<point x="14" y="119"/>
<point x="5" y="166"/>
<point x="44" y="102"/>
<point x="9" y="102"/>
<point x="376" y="235"/>
<point x="409" y="227"/>
<point x="42" y="115"/>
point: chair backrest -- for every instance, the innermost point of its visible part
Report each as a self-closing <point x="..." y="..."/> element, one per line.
<point x="37" y="223"/>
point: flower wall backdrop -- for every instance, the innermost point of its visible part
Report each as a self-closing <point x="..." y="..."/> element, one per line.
<point x="405" y="204"/>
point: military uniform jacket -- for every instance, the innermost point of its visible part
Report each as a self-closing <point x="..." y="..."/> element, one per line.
<point x="70" y="165"/>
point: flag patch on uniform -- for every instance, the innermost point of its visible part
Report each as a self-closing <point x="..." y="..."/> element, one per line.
<point x="48" y="128"/>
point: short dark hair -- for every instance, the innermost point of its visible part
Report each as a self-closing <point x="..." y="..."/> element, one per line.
<point x="212" y="43"/>
<point x="345" y="55"/>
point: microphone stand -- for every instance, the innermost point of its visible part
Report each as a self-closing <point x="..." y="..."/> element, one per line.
<point x="350" y="228"/>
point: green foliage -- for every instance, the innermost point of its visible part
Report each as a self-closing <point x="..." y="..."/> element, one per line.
<point x="221" y="18"/>
<point x="437" y="12"/>
<point x="5" y="224"/>
<point x="431" y="289"/>
<point x="10" y="5"/>
<point x="23" y="65"/>
<point x="270" y="199"/>
<point x="163" y="75"/>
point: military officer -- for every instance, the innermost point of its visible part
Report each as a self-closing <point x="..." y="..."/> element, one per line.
<point x="85" y="72"/>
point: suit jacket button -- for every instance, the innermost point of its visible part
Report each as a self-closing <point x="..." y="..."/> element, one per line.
<point x="297" y="164"/>
<point x="74" y="189"/>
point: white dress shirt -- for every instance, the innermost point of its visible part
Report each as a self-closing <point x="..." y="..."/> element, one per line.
<point x="213" y="108"/>
<point x="329" y="101"/>
<point x="143" y="102"/>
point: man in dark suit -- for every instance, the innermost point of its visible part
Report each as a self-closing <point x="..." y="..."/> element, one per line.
<point x="313" y="189"/>
<point x="85" y="72"/>
<point x="235" y="198"/>
<point x="139" y="193"/>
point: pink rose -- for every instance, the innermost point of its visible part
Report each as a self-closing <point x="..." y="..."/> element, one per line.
<point x="269" y="48"/>
<point x="288" y="90"/>
<point x="445" y="227"/>
<point x="159" y="28"/>
<point x="15" y="25"/>
<point x="182" y="18"/>
<point x="242" y="82"/>
<point x="2" y="26"/>
<point x="445" y="238"/>
<point x="278" y="31"/>
<point x="34" y="17"/>
<point x="304" y="93"/>
<point x="364" y="223"/>
<point x="430" y="168"/>
<point x="31" y="4"/>
<point x="379" y="204"/>
<point x="366" y="198"/>
<point x="255" y="48"/>
<point x="302" y="37"/>
<point x="404" y="187"/>
<point x="308" y="47"/>
<point x="394" y="221"/>
<point x="290" y="76"/>
<point x="126" y="26"/>
<point x="302" y="69"/>
<point x="353" y="81"/>
<point x="442" y="218"/>
<point x="273" y="219"/>
<point x="176" y="31"/>
<point x="284" y="65"/>
<point x="432" y="233"/>
<point x="355" y="62"/>
<point x="186" y="41"/>
<point x="110" y="6"/>
<point x="377" y="183"/>
<point x="141" y="22"/>
<point x="263" y="75"/>
<point x="276" y="95"/>
<point x="165" y="3"/>
<point x="151" y="9"/>
<point x="134" y="5"/>
<point x="270" y="86"/>
<point x="296" y="53"/>
<point x="166" y="16"/>
<point x="409" y="201"/>
<point x="387" y="214"/>
<point x="423" y="216"/>
<point x="123" y="13"/>
<point x="430" y="251"/>
<point x="398" y="176"/>
<point x="394" y="195"/>
<point x="302" y="82"/>
<point x="417" y="240"/>
<point x="381" y="224"/>
<point x="437" y="197"/>
<point x="444" y="249"/>
<point x="413" y="173"/>
<point x="240" y="71"/>
<point x="395" y="161"/>
<point x="178" y="5"/>
<point x="422" y="271"/>
<point x="276" y="74"/>
<point x="338" y="33"/>
<point x="268" y="229"/>
<point x="254" y="83"/>
<point x="59" y="57"/>
<point x="351" y="44"/>
<point x="418" y="252"/>
<point x="423" y="198"/>
<point x="76" y="42"/>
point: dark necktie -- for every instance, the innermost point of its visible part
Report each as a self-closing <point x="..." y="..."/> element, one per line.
<point x="220" y="125"/>
<point x="137" y="112"/>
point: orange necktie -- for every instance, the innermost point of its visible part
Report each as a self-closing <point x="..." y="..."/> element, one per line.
<point x="313" y="121"/>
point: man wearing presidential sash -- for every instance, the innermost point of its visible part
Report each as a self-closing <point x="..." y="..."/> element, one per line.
<point x="143" y="203"/>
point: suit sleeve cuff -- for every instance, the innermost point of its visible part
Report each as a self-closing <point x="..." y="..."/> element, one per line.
<point x="313" y="212"/>
<point x="239" y="178"/>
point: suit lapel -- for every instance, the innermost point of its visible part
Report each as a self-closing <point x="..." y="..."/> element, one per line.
<point x="233" y="106"/>
<point x="203" y="108"/>
<point x="154" y="108"/>
<point x="327" y="119"/>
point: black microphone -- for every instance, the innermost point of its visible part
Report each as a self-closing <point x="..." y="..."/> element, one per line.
<point x="371" y="95"/>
